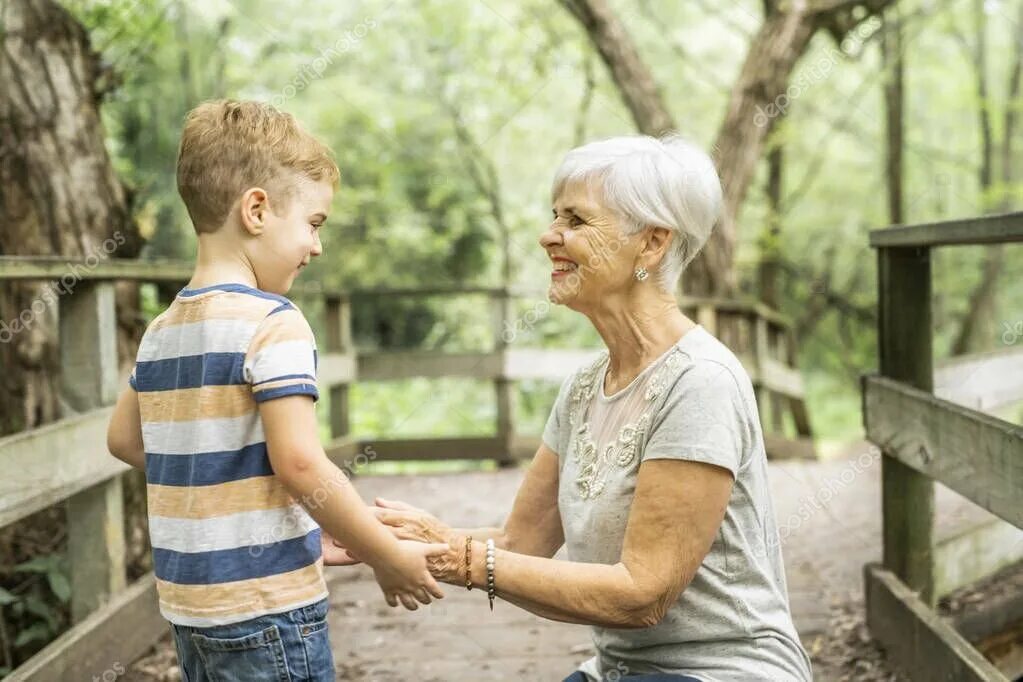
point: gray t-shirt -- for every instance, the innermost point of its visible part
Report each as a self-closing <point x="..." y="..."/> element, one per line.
<point x="732" y="623"/>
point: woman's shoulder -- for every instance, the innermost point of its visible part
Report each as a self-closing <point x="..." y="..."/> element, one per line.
<point x="708" y="361"/>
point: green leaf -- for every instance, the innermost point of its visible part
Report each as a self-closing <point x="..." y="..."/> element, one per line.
<point x="59" y="585"/>
<point x="36" y="631"/>
<point x="39" y="564"/>
<point x="37" y="607"/>
<point x="6" y="597"/>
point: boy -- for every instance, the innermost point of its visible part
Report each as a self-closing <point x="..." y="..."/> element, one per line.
<point x="219" y="414"/>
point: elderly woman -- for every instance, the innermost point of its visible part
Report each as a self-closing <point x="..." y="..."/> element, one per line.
<point x="652" y="470"/>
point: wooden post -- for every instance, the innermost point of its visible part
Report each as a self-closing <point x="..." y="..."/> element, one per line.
<point x="760" y="341"/>
<point x="904" y="343"/>
<point x="706" y="316"/>
<point x="504" y="389"/>
<point x="95" y="516"/>
<point x="339" y="340"/>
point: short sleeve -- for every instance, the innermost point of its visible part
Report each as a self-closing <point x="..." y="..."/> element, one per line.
<point x="705" y="418"/>
<point x="281" y="359"/>
<point x="554" y="430"/>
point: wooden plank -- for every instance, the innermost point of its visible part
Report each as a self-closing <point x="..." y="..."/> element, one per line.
<point x="983" y="381"/>
<point x="45" y="466"/>
<point x="915" y="638"/>
<point x="993" y="229"/>
<point x="336" y="368"/>
<point x="995" y="616"/>
<point x="423" y="292"/>
<point x="486" y="447"/>
<point x="551" y="364"/>
<point x="103" y="645"/>
<point x="782" y="447"/>
<point x="389" y="366"/>
<point x="778" y="377"/>
<point x="904" y="345"/>
<point x="88" y="347"/>
<point x="977" y="455"/>
<point x="975" y="554"/>
<point x="45" y="267"/>
<point x="95" y="515"/>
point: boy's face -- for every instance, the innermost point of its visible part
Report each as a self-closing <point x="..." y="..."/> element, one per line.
<point x="290" y="239"/>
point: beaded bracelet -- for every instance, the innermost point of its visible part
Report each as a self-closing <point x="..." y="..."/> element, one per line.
<point x="491" y="590"/>
<point x="468" y="562"/>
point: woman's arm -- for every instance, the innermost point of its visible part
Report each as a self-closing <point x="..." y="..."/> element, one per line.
<point x="533" y="526"/>
<point x="676" y="512"/>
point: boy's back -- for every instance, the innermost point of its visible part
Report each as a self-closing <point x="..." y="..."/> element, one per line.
<point x="229" y="541"/>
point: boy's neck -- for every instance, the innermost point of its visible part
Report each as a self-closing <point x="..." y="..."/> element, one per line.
<point x="219" y="263"/>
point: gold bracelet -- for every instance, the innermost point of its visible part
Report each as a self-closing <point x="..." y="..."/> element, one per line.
<point x="468" y="562"/>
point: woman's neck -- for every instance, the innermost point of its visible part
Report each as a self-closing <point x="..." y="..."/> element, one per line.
<point x="637" y="330"/>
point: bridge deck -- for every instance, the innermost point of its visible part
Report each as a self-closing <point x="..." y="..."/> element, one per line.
<point x="830" y="520"/>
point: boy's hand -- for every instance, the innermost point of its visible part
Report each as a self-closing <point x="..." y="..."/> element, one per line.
<point x="407" y="579"/>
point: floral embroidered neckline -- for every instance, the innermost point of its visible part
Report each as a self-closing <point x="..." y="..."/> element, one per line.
<point x="594" y="465"/>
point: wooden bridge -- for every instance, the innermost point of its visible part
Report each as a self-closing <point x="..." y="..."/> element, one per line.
<point x="948" y="439"/>
<point x="66" y="462"/>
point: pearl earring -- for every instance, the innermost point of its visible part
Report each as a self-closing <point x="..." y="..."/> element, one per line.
<point x="641" y="274"/>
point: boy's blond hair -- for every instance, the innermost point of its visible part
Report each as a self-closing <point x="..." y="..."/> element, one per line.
<point x="229" y="146"/>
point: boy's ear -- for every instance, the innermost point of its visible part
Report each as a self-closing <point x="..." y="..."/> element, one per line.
<point x="254" y="207"/>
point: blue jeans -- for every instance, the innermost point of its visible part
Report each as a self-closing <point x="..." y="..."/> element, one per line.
<point x="282" y="647"/>
<point x="655" y="677"/>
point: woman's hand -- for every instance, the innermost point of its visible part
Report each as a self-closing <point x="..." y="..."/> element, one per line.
<point x="334" y="553"/>
<point x="411" y="523"/>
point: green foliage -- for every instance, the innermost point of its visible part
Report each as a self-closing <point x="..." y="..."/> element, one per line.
<point x="37" y="607"/>
<point x="448" y="118"/>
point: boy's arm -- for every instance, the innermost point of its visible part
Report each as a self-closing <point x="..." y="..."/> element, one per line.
<point x="298" y="460"/>
<point x="124" y="434"/>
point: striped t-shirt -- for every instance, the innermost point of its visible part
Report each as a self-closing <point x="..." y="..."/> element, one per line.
<point x="229" y="541"/>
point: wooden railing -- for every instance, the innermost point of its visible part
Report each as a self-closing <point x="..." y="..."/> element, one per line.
<point x="926" y="438"/>
<point x="67" y="461"/>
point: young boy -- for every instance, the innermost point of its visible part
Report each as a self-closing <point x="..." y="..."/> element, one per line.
<point x="220" y="416"/>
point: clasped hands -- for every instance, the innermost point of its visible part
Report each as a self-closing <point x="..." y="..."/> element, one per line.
<point x="408" y="524"/>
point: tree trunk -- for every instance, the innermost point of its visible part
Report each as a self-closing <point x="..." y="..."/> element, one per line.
<point x="980" y="309"/>
<point x="770" y="249"/>
<point x="760" y="88"/>
<point x="58" y="194"/>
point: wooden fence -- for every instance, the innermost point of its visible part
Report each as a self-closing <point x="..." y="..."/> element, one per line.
<point x="926" y="438"/>
<point x="66" y="462"/>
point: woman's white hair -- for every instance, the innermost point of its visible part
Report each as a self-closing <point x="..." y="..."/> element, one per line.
<point x="651" y="182"/>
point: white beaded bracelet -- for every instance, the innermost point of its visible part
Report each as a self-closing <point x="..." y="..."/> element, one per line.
<point x="491" y="590"/>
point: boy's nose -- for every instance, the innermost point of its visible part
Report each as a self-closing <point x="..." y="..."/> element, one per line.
<point x="317" y="247"/>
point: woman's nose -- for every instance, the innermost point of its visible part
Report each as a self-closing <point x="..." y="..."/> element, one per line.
<point x="550" y="237"/>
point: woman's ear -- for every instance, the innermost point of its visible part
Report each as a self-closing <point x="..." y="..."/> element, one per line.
<point x="657" y="243"/>
<point x="254" y="207"/>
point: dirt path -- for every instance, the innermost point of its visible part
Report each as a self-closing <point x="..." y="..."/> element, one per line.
<point x="829" y="518"/>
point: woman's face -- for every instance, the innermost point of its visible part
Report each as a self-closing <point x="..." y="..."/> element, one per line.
<point x="591" y="256"/>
